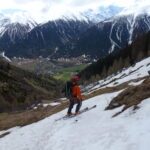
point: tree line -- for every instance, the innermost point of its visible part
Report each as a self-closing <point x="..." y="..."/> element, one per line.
<point x="117" y="60"/>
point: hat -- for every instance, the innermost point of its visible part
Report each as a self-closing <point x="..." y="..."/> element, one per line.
<point x="75" y="78"/>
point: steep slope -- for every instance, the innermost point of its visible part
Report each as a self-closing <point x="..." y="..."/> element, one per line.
<point x="71" y="37"/>
<point x="133" y="75"/>
<point x="97" y="128"/>
<point x="14" y="30"/>
<point x="48" y="39"/>
<point x="112" y="34"/>
<point x="92" y="130"/>
<point x="19" y="89"/>
<point x="116" y="61"/>
<point x="14" y="27"/>
<point x="65" y="38"/>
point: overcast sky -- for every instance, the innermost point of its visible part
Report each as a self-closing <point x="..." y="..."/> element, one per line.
<point x="52" y="9"/>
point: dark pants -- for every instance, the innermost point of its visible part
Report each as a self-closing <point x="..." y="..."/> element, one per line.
<point x="72" y="102"/>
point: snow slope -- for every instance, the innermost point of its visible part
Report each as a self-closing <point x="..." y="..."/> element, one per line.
<point x="92" y="130"/>
<point x="139" y="70"/>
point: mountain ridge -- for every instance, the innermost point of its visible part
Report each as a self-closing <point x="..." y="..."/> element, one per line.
<point x="68" y="38"/>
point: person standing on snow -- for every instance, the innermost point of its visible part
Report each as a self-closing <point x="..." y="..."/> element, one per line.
<point x="73" y="93"/>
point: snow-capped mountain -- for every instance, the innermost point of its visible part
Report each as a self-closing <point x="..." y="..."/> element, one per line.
<point x="101" y="13"/>
<point x="74" y="35"/>
<point x="75" y="38"/>
<point x="129" y="27"/>
<point x="113" y="34"/>
<point x="15" y="27"/>
<point x="46" y="39"/>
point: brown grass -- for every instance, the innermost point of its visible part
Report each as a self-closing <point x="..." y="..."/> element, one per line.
<point x="8" y="120"/>
<point x="132" y="96"/>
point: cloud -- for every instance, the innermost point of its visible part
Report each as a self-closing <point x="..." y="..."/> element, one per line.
<point x="42" y="10"/>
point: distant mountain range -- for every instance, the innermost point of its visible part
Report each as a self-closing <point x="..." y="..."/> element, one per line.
<point x="42" y="40"/>
<point x="112" y="34"/>
<point x="93" y="33"/>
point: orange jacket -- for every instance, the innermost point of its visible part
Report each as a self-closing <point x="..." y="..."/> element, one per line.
<point x="76" y="92"/>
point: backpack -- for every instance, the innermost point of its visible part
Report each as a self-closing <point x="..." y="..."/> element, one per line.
<point x="68" y="89"/>
<point x="76" y="92"/>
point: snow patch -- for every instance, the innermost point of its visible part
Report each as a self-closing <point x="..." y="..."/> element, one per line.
<point x="139" y="70"/>
<point x="51" y="104"/>
<point x="2" y="54"/>
<point x="136" y="83"/>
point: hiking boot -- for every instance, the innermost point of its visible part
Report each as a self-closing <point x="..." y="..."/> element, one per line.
<point x="70" y="114"/>
<point x="77" y="113"/>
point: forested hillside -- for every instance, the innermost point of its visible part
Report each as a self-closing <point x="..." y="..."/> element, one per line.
<point x="116" y="61"/>
<point x="19" y="89"/>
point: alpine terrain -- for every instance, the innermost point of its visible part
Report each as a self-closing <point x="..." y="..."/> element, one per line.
<point x="103" y="127"/>
<point x="94" y="33"/>
<point x="75" y="75"/>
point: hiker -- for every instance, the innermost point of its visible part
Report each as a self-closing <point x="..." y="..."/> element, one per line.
<point x="73" y="93"/>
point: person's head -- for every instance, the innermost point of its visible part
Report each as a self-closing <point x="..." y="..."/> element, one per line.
<point x="75" y="79"/>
